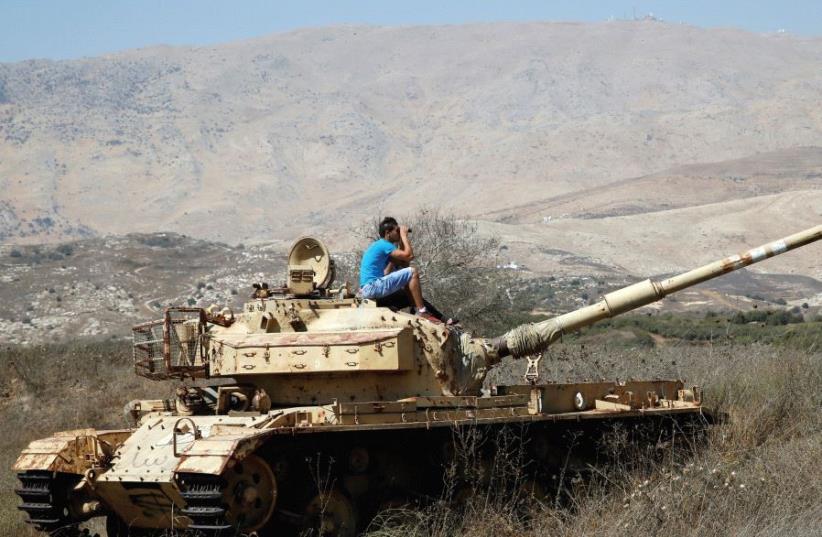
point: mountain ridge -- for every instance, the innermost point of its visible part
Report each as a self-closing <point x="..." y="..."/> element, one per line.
<point x="313" y="130"/>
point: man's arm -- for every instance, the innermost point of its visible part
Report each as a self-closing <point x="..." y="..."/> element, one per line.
<point x="389" y="268"/>
<point x="403" y="254"/>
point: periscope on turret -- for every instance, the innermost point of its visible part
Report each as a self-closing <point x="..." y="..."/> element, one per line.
<point x="306" y="372"/>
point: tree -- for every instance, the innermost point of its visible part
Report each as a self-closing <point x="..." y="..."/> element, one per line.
<point x="458" y="267"/>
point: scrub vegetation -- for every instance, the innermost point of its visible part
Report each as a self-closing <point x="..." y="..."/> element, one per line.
<point x="58" y="387"/>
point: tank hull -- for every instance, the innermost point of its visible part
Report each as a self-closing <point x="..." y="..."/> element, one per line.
<point x="369" y="455"/>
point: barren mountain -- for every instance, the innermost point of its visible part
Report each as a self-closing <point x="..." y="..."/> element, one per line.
<point x="276" y="136"/>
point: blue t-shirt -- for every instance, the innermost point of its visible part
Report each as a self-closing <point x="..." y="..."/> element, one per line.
<point x="374" y="261"/>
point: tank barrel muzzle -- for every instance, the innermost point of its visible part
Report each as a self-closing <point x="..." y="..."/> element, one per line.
<point x="533" y="338"/>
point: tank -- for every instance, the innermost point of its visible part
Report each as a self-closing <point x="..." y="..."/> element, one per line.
<point x="311" y="409"/>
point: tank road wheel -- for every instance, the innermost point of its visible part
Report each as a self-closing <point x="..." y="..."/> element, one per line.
<point x="250" y="493"/>
<point x="45" y="498"/>
<point x="241" y="499"/>
<point x="330" y="514"/>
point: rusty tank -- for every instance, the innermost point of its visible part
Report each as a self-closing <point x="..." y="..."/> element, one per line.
<point x="311" y="409"/>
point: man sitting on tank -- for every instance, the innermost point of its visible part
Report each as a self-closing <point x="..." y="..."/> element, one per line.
<point x="384" y="271"/>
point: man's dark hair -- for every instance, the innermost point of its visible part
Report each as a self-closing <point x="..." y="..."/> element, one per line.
<point x="388" y="224"/>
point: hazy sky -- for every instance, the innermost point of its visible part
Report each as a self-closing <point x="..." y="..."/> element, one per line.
<point x="70" y="29"/>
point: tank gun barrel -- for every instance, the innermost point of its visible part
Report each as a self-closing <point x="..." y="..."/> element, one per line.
<point x="530" y="339"/>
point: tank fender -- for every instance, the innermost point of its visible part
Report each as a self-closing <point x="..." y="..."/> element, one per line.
<point x="72" y="452"/>
<point x="211" y="455"/>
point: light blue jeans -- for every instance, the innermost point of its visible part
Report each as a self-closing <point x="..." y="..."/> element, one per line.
<point x="391" y="283"/>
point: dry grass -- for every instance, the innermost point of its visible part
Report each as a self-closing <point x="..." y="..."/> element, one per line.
<point x="758" y="474"/>
<point x="59" y="387"/>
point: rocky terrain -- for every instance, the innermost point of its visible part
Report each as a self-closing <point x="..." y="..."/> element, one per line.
<point x="101" y="287"/>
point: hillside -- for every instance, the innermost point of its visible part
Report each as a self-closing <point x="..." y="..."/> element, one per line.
<point x="678" y="218"/>
<point x="100" y="287"/>
<point x="776" y="172"/>
<point x="311" y="130"/>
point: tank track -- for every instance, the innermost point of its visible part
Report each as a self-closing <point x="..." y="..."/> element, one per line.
<point x="44" y="500"/>
<point x="205" y="506"/>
